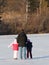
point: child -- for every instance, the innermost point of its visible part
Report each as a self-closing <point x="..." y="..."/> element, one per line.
<point x="29" y="48"/>
<point x="14" y="46"/>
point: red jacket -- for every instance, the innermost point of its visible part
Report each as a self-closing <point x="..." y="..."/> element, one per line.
<point x="15" y="47"/>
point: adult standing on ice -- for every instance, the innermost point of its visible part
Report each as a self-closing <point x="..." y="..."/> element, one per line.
<point x="22" y="39"/>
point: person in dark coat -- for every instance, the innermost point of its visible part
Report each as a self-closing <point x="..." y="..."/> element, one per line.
<point x="29" y="48"/>
<point x="22" y="39"/>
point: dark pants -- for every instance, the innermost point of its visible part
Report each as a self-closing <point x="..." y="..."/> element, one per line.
<point x="29" y="53"/>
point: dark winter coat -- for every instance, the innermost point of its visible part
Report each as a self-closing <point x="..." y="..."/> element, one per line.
<point x="21" y="39"/>
<point x="29" y="45"/>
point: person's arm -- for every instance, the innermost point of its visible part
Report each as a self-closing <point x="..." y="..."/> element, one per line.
<point x="10" y="45"/>
<point x="31" y="44"/>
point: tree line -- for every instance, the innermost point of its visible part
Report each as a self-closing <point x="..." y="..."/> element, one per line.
<point x="37" y="16"/>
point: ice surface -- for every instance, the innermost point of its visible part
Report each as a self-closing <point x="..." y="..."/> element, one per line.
<point x="40" y="50"/>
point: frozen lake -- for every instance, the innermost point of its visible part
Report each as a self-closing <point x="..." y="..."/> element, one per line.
<point x="40" y="50"/>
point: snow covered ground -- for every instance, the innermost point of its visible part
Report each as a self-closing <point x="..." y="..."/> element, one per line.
<point x="40" y="50"/>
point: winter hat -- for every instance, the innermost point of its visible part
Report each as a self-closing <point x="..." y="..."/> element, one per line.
<point x="28" y="40"/>
<point x="15" y="41"/>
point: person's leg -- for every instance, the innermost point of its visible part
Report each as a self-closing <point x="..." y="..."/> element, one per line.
<point x="27" y="54"/>
<point x="20" y="50"/>
<point x="30" y="54"/>
<point x="24" y="52"/>
<point x="15" y="55"/>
